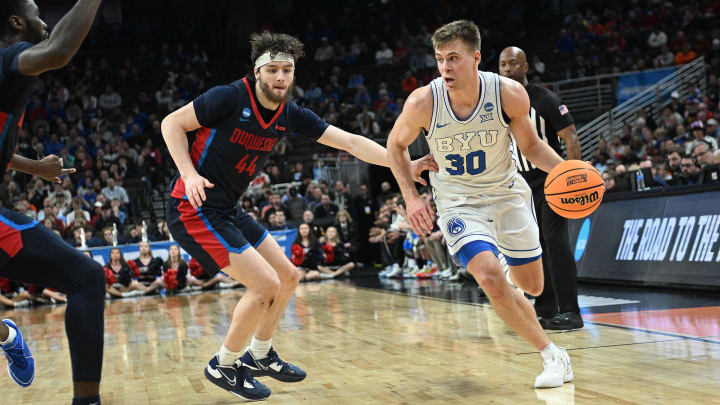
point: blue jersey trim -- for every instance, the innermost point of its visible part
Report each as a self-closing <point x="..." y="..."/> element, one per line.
<point x="532" y="207"/>
<point x="17" y="227"/>
<point x="472" y="249"/>
<point x="220" y="238"/>
<point x="262" y="238"/>
<point x="473" y="234"/>
<point x="206" y="147"/>
<point x="511" y="261"/>
<point x="6" y="128"/>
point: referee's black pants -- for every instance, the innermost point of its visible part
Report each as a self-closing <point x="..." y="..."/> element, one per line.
<point x="560" y="291"/>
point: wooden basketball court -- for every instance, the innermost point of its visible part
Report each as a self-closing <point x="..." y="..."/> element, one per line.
<point x="362" y="346"/>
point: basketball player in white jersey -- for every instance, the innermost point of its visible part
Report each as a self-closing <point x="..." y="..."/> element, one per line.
<point x="484" y="205"/>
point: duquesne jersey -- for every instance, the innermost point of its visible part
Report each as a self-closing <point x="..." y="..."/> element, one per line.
<point x="15" y="90"/>
<point x="549" y="115"/>
<point x="473" y="154"/>
<point x="236" y="138"/>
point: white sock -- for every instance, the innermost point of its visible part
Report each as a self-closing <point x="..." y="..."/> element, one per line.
<point x="260" y="348"/>
<point x="11" y="336"/>
<point x="227" y="357"/>
<point x="549" y="352"/>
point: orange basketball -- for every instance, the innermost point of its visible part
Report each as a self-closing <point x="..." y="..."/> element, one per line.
<point x="574" y="189"/>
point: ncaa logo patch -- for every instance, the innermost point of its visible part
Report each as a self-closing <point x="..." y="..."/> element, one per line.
<point x="455" y="226"/>
<point x="246" y="113"/>
<point x="489" y="106"/>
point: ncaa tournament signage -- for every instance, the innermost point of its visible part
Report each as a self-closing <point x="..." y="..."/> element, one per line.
<point x="659" y="241"/>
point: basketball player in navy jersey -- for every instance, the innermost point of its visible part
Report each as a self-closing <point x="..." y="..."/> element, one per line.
<point x="484" y="205"/>
<point x="237" y="126"/>
<point x="557" y="307"/>
<point x="28" y="251"/>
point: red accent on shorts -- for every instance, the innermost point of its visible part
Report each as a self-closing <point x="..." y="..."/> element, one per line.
<point x="196" y="228"/>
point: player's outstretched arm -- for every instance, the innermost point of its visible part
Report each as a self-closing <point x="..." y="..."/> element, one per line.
<point x="174" y="129"/>
<point x="414" y="117"/>
<point x="371" y="152"/>
<point x="49" y="168"/>
<point x="516" y="104"/>
<point x="63" y="43"/>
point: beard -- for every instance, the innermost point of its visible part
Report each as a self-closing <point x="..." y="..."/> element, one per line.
<point x="267" y="91"/>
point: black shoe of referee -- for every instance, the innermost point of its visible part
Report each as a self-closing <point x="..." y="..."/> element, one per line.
<point x="564" y="321"/>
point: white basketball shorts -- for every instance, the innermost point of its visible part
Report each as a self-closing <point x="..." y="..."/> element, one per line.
<point x="499" y="220"/>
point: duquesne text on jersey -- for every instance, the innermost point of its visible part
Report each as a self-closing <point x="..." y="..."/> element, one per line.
<point x="251" y="141"/>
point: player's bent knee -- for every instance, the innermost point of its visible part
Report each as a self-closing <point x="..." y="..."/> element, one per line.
<point x="487" y="272"/>
<point x="269" y="288"/>
<point x="293" y="276"/>
<point x="535" y="289"/>
<point x="491" y="282"/>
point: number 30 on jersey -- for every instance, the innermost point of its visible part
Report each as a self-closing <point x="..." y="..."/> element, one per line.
<point x="472" y="163"/>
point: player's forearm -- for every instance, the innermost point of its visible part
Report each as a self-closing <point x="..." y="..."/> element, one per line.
<point x="400" y="165"/>
<point x="369" y="151"/>
<point x="542" y="155"/>
<point x="71" y="30"/>
<point x="177" y="144"/>
<point x="24" y="165"/>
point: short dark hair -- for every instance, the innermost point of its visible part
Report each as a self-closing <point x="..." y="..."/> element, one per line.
<point x="675" y="148"/>
<point x="273" y="42"/>
<point x="9" y="8"/>
<point x="464" y="30"/>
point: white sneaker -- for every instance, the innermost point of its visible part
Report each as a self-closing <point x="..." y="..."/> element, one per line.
<point x="22" y="303"/>
<point x="556" y="371"/>
<point x="226" y="285"/>
<point x="446" y="274"/>
<point x="396" y="271"/>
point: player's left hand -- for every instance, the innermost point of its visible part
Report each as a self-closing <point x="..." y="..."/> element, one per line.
<point x="50" y="168"/>
<point x="420" y="215"/>
<point x="418" y="166"/>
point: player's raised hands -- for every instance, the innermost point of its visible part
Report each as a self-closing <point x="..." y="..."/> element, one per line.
<point x="418" y="166"/>
<point x="195" y="185"/>
<point x="420" y="215"/>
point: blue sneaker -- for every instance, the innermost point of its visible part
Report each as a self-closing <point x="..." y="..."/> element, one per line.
<point x="236" y="379"/>
<point x="21" y="365"/>
<point x="272" y="366"/>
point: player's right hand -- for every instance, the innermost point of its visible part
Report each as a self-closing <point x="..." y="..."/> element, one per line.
<point x="195" y="185"/>
<point x="420" y="215"/>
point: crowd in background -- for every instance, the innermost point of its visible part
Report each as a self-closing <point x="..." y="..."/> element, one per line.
<point x="102" y="114"/>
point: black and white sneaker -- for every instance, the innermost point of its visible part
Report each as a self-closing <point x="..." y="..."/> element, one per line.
<point x="272" y="365"/>
<point x="236" y="379"/>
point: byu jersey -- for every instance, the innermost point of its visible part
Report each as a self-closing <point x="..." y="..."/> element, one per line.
<point x="473" y="154"/>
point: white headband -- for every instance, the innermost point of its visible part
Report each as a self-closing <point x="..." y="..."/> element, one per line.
<point x="266" y="58"/>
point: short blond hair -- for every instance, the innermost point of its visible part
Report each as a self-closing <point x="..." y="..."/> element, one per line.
<point x="464" y="30"/>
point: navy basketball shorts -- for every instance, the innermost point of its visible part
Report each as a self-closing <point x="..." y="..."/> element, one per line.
<point x="35" y="255"/>
<point x="209" y="234"/>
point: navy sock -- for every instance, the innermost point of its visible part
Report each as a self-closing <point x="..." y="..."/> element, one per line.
<point x="87" y="400"/>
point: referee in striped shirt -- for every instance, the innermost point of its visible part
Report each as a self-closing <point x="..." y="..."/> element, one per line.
<point x="557" y="307"/>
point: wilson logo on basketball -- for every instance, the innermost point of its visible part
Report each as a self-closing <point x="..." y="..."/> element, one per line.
<point x="580" y="178"/>
<point x="581" y="199"/>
